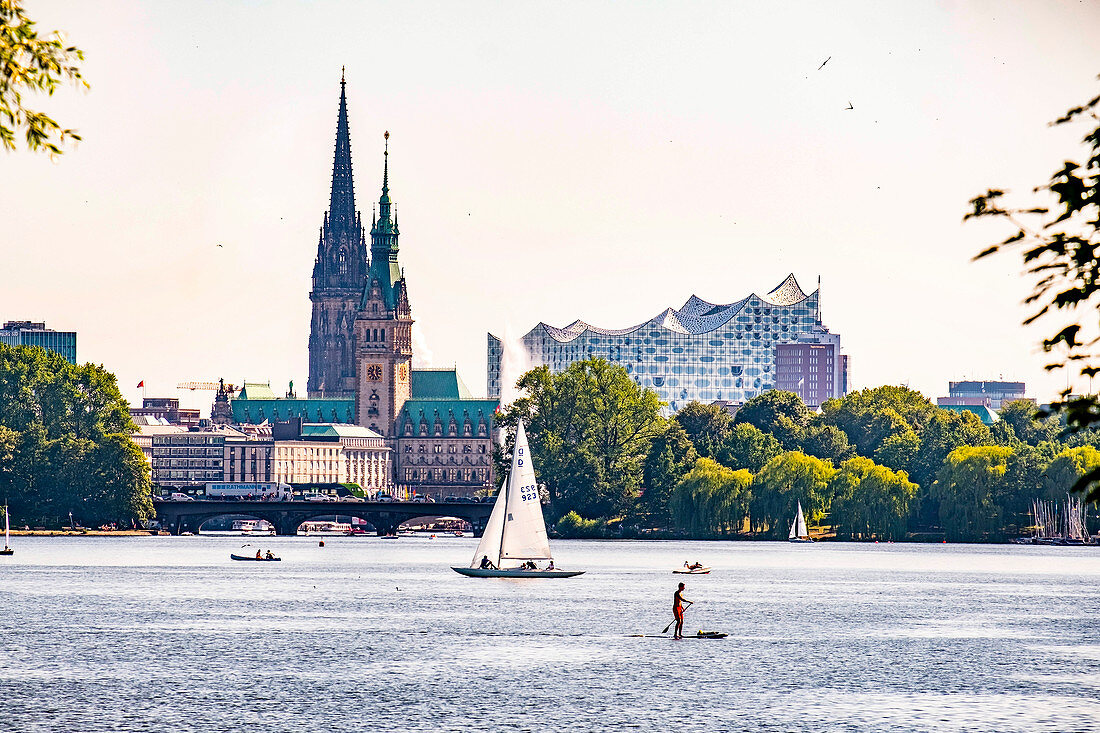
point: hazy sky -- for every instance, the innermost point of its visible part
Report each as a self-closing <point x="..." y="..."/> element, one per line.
<point x="550" y="161"/>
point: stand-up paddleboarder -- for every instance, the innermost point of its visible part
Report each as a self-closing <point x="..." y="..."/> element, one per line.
<point x="678" y="602"/>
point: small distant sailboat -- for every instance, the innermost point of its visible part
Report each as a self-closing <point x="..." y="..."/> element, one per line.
<point x="799" y="533"/>
<point x="516" y="533"/>
<point x="7" y="535"/>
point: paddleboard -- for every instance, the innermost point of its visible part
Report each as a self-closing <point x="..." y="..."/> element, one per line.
<point x="700" y="635"/>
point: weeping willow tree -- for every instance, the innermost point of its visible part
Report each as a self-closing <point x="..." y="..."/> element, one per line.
<point x="785" y="481"/>
<point x="711" y="499"/>
<point x="871" y="501"/>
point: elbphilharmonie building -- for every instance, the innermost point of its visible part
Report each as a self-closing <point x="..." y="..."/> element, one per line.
<point x="703" y="351"/>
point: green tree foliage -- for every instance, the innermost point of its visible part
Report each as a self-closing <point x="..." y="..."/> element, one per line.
<point x="706" y="425"/>
<point x="1027" y="423"/>
<point x="1058" y="233"/>
<point x="590" y="429"/>
<point x="711" y="499"/>
<point x="870" y="501"/>
<point x="30" y="63"/>
<point x="966" y="489"/>
<point x="787" y="479"/>
<point x="899" y="450"/>
<point x="826" y="442"/>
<point x="748" y="447"/>
<point x="945" y="431"/>
<point x="670" y="457"/>
<point x="1023" y="483"/>
<point x="574" y="526"/>
<point x="871" y="416"/>
<point x="65" y="442"/>
<point x="780" y="413"/>
<point x="1067" y="468"/>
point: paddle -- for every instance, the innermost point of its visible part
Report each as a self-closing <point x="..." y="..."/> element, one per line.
<point x="670" y="623"/>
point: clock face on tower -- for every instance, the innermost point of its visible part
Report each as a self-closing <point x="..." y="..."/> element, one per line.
<point x="374" y="372"/>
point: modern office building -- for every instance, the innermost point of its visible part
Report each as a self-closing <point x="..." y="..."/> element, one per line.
<point x="29" y="333"/>
<point x="991" y="394"/>
<point x="702" y="351"/>
<point x="814" y="371"/>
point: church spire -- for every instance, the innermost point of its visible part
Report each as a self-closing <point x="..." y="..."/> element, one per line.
<point x="342" y="201"/>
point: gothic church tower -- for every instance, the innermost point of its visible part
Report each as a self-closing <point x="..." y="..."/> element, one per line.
<point x="338" y="275"/>
<point x="383" y="327"/>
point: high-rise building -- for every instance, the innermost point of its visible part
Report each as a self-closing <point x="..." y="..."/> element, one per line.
<point x="338" y="274"/>
<point x="703" y="351"/>
<point x="28" y="333"/>
<point x="815" y="371"/>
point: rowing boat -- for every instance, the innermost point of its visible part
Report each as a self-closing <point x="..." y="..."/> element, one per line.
<point x="692" y="571"/>
<point x="254" y="558"/>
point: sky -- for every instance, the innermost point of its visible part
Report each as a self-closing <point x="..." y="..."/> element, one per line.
<point x="549" y="161"/>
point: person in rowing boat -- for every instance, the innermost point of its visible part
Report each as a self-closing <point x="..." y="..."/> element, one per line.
<point x="678" y="602"/>
<point x="258" y="555"/>
<point x="270" y="555"/>
<point x="695" y="566"/>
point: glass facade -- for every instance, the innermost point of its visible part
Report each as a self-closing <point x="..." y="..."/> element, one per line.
<point x="25" y="333"/>
<point x="703" y="351"/>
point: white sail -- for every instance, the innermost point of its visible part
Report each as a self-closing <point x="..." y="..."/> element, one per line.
<point x="524" y="535"/>
<point x="490" y="540"/>
<point x="798" y="527"/>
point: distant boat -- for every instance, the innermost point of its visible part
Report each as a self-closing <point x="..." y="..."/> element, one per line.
<point x="7" y="535"/>
<point x="799" y="533"/>
<point x="692" y="571"/>
<point x="515" y="535"/>
<point x="254" y="558"/>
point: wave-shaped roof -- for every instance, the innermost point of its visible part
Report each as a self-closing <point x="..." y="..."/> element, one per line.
<point x="695" y="317"/>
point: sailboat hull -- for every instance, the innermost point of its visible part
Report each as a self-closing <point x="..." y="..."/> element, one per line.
<point x="517" y="573"/>
<point x="799" y="539"/>
<point x="7" y="551"/>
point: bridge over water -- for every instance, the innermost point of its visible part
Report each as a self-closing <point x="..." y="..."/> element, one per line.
<point x="287" y="516"/>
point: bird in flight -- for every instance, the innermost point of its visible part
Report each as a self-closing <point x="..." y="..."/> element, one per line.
<point x="219" y="245"/>
<point x="849" y="105"/>
<point x="819" y="68"/>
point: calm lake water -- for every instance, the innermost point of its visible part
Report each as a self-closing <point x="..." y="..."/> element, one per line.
<point x="167" y="634"/>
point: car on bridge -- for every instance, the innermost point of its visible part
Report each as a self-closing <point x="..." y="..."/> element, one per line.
<point x="317" y="497"/>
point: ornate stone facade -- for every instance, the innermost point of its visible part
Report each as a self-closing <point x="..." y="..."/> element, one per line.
<point x="338" y="274"/>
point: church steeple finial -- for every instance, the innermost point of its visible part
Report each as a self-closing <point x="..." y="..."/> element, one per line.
<point x="386" y="169"/>
<point x="342" y="200"/>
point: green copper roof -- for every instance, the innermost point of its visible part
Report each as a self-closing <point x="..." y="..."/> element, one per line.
<point x="984" y="414"/>
<point x="256" y="411"/>
<point x="256" y="391"/>
<point x="416" y="411"/>
<point x="438" y="384"/>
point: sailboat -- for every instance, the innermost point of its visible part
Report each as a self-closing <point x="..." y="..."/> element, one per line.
<point x="799" y="533"/>
<point x="516" y="533"/>
<point x="7" y="535"/>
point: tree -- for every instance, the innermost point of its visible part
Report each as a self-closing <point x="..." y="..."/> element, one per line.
<point x="1027" y="423"/>
<point x="870" y="501"/>
<point x="826" y="442"/>
<point x="590" y="429"/>
<point x="1023" y="483"/>
<point x="899" y="451"/>
<point x="65" y="441"/>
<point x="747" y="447"/>
<point x="706" y="425"/>
<point x="1066" y="468"/>
<point x="30" y="63"/>
<point x="1058" y="235"/>
<point x="670" y="457"/>
<point x="965" y="490"/>
<point x="787" y="479"/>
<point x="711" y="499"/>
<point x="779" y="413"/>
<point x="870" y="417"/>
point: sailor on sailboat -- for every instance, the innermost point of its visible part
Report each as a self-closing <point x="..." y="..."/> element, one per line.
<point x="515" y="536"/>
<point x="799" y="533"/>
